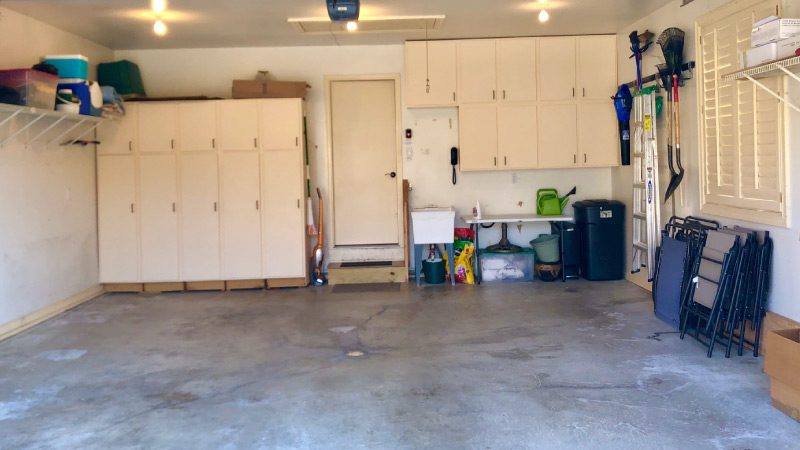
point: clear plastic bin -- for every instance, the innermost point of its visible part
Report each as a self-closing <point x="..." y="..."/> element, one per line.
<point x="507" y="266"/>
<point x="36" y="89"/>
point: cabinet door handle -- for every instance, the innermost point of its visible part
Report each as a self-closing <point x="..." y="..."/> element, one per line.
<point x="573" y="92"/>
<point x="574" y="159"/>
<point x="505" y="160"/>
<point x="584" y="92"/>
<point x="495" y="160"/>
<point x="172" y="144"/>
<point x="298" y="203"/>
<point x="173" y="206"/>
<point x="494" y="94"/>
<point x="255" y="142"/>
<point x="215" y="206"/>
<point x="132" y="209"/>
<point x="504" y="94"/>
<point x="130" y="146"/>
<point x="256" y="204"/>
<point x="584" y="157"/>
<point x="213" y="143"/>
<point x="454" y="96"/>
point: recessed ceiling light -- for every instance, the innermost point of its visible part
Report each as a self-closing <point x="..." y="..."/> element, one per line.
<point x="159" y="6"/>
<point x="159" y="28"/>
<point x="352" y="26"/>
<point x="543" y="16"/>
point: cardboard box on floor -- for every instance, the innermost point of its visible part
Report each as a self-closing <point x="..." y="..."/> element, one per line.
<point x="268" y="89"/>
<point x="782" y="363"/>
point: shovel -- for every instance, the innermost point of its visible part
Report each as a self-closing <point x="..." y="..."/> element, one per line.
<point x="675" y="85"/>
<point x="667" y="79"/>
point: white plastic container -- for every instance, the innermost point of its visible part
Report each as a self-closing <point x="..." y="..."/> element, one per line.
<point x="433" y="225"/>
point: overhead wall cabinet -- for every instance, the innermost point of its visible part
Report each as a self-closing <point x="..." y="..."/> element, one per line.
<point x="527" y="103"/>
<point x="431" y="74"/>
<point x="203" y="191"/>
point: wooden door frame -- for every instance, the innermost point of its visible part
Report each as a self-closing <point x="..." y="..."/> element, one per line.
<point x="395" y="77"/>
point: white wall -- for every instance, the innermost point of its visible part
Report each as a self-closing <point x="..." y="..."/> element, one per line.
<point x="48" y="236"/>
<point x="785" y="285"/>
<point x="210" y="71"/>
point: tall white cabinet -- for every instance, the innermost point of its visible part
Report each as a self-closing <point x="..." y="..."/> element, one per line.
<point x="203" y="191"/>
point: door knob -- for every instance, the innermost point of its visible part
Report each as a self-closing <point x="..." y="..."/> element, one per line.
<point x="392" y="174"/>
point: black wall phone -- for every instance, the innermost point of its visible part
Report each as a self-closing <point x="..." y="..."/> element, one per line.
<point x="454" y="161"/>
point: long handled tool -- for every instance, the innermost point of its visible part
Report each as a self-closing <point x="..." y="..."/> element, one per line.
<point x="677" y="108"/>
<point x="319" y="277"/>
<point x="671" y="42"/>
<point x="666" y="78"/>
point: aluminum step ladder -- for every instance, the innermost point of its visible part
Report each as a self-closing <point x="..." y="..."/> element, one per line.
<point x="646" y="208"/>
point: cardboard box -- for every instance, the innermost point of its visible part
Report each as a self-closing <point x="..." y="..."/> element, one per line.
<point x="758" y="55"/>
<point x="782" y="363"/>
<point x="268" y="89"/>
<point x="774" y="31"/>
<point x="789" y="47"/>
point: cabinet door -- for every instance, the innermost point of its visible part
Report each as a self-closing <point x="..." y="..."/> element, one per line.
<point x="198" y="126"/>
<point x="599" y="135"/>
<point x="238" y="124"/>
<point x="281" y="123"/>
<point x="435" y="61"/>
<point x="477" y="125"/>
<point x="477" y="71"/>
<point x="241" y="216"/>
<point x="283" y="215"/>
<point x="200" y="217"/>
<point x="557" y="68"/>
<point x="558" y="136"/>
<point x="118" y="137"/>
<point x="158" y="192"/>
<point x="516" y="69"/>
<point x="157" y="127"/>
<point x="517" y="137"/>
<point x="117" y="210"/>
<point x="597" y="73"/>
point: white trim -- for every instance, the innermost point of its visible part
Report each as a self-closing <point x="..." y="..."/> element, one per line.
<point x="27" y="321"/>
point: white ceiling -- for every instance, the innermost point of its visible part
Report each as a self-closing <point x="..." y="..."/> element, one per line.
<point x="128" y="24"/>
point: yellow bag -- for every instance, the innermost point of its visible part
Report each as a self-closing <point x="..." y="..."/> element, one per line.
<point x="463" y="264"/>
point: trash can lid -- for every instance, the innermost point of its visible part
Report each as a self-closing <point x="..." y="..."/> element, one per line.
<point x="597" y="204"/>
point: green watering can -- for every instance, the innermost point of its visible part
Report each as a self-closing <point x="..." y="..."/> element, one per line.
<point x="548" y="202"/>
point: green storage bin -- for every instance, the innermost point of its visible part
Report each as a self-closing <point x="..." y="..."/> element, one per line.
<point x="124" y="76"/>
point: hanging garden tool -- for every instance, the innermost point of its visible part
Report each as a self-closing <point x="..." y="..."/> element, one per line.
<point x="666" y="78"/>
<point x="317" y="255"/>
<point x="671" y="42"/>
<point x="623" y="102"/>
<point x="640" y="43"/>
<point x="677" y="107"/>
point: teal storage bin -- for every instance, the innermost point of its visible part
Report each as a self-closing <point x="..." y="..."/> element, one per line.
<point x="124" y="76"/>
<point x="70" y="66"/>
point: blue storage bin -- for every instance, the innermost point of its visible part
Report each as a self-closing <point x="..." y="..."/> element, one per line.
<point x="70" y="66"/>
<point x="82" y="91"/>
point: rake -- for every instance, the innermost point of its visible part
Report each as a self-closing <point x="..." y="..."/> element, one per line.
<point x="671" y="42"/>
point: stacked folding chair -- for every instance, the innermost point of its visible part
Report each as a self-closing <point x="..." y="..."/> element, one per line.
<point x="729" y="290"/>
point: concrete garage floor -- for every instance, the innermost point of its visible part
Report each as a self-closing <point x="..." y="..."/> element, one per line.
<point x="512" y="366"/>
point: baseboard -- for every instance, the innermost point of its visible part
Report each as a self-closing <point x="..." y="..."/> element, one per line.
<point x="21" y="324"/>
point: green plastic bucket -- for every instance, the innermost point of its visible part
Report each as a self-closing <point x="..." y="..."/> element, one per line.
<point x="546" y="248"/>
<point x="434" y="271"/>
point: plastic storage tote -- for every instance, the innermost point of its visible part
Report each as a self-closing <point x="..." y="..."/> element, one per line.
<point x="507" y="266"/>
<point x="70" y="66"/>
<point x="601" y="224"/>
<point x="123" y="75"/>
<point x="36" y="89"/>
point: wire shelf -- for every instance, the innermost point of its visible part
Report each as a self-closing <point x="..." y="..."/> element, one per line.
<point x="69" y="122"/>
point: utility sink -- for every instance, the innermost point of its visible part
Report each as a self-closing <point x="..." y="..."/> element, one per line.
<point x="433" y="225"/>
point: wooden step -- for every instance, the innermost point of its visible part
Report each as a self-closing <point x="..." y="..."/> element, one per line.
<point x="374" y="273"/>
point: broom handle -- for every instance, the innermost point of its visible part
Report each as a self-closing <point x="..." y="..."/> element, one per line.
<point x="677" y="111"/>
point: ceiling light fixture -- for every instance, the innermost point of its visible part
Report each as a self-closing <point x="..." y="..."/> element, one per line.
<point x="543" y="16"/>
<point x="159" y="6"/>
<point x="159" y="28"/>
<point x="352" y="25"/>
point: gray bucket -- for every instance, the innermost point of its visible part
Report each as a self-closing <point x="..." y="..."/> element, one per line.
<point x="546" y="248"/>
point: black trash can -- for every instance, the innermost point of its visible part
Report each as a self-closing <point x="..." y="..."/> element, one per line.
<point x="601" y="225"/>
<point x="570" y="242"/>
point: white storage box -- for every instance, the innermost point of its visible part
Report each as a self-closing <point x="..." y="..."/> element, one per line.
<point x="774" y="31"/>
<point x="433" y="225"/>
<point x="759" y="55"/>
<point x="789" y="47"/>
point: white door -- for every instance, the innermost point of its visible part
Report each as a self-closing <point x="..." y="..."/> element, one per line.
<point x="241" y="216"/>
<point x="238" y="124"/>
<point x="200" y="217"/>
<point x="599" y="135"/>
<point x="281" y="123"/>
<point x="597" y="78"/>
<point x="477" y="71"/>
<point x="365" y="179"/>
<point x="558" y="136"/>
<point x="516" y="69"/>
<point x="118" y="228"/>
<point x="517" y="138"/>
<point x="477" y="130"/>
<point x="198" y="126"/>
<point x="557" y="62"/>
<point x="434" y="61"/>
<point x="283" y="214"/>
<point x="158" y="191"/>
<point x="157" y="127"/>
<point x="118" y="136"/>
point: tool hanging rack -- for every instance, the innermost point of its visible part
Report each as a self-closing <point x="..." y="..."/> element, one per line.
<point x="770" y="69"/>
<point x="686" y="67"/>
<point x="60" y="121"/>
